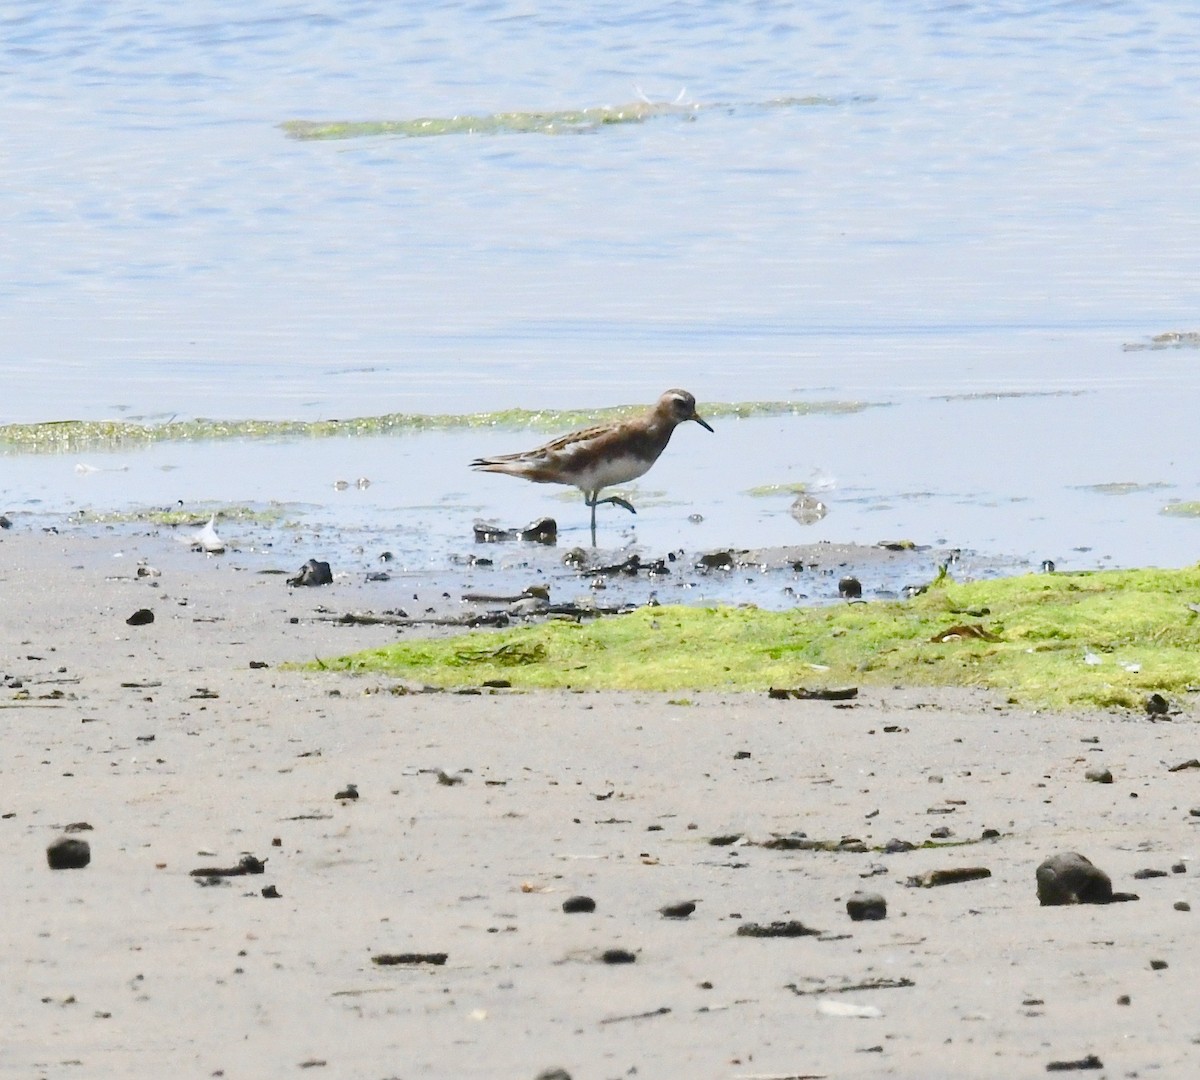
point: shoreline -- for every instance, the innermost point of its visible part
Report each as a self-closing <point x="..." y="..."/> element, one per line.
<point x="130" y="966"/>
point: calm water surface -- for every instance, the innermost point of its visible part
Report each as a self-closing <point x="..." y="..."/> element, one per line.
<point x="990" y="200"/>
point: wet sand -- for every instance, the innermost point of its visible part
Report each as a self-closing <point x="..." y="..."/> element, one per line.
<point x="180" y="755"/>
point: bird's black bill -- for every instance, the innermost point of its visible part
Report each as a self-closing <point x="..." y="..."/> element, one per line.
<point x="703" y="423"/>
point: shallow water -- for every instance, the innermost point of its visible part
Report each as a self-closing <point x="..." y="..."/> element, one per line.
<point x="989" y="200"/>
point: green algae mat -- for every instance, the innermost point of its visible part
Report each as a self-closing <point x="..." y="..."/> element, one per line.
<point x="63" y="435"/>
<point x="1080" y="640"/>
<point x="531" y="122"/>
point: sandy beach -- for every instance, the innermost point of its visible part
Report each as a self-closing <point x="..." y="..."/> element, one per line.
<point x="184" y="745"/>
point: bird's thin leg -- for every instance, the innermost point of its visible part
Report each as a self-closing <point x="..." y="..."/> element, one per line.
<point x="590" y="499"/>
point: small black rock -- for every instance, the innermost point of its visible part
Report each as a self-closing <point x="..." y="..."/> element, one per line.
<point x="1070" y="878"/>
<point x="850" y="588"/>
<point x="618" y="956"/>
<point x="141" y="617"/>
<point x="542" y="531"/>
<point x="1157" y="705"/>
<point x="863" y="906"/>
<point x="574" y="905"/>
<point x="68" y="853"/>
<point x="313" y="572"/>
<point x="677" y="911"/>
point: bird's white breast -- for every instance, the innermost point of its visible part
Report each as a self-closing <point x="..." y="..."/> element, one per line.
<point x="607" y="471"/>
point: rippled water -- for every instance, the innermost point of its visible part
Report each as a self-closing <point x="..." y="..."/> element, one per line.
<point x="988" y="199"/>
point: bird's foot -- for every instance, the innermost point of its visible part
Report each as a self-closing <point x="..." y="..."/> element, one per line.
<point x="616" y="500"/>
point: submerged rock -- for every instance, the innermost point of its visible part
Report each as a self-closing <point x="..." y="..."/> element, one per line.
<point x="539" y="531"/>
<point x="808" y="510"/>
<point x="313" y="572"/>
<point x="850" y="588"/>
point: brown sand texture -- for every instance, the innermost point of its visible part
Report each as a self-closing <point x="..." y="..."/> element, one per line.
<point x="479" y="814"/>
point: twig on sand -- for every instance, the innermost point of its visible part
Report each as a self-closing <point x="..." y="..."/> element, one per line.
<point x="662" y="1010"/>
<point x="868" y="984"/>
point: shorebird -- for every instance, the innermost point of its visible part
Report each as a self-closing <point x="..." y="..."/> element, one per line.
<point x="601" y="456"/>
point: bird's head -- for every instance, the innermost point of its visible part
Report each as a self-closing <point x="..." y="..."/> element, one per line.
<point x="681" y="406"/>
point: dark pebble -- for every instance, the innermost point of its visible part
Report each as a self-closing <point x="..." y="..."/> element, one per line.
<point x="1098" y="774"/>
<point x="1182" y="905"/>
<point x="897" y="847"/>
<point x="542" y="531"/>
<point x="1124" y="999"/>
<point x="866" y="906"/>
<point x="574" y="905"/>
<point x="68" y="853"/>
<point x="1143" y="875"/>
<point x="1157" y="705"/>
<point x="313" y="572"/>
<point x="1070" y="878"/>
<point x="677" y="911"/>
<point x="271" y="893"/>
<point x="348" y="794"/>
<point x="141" y="617"/>
<point x="1158" y="965"/>
<point x="617" y="956"/>
<point x="553" y="1074"/>
<point x="850" y="588"/>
